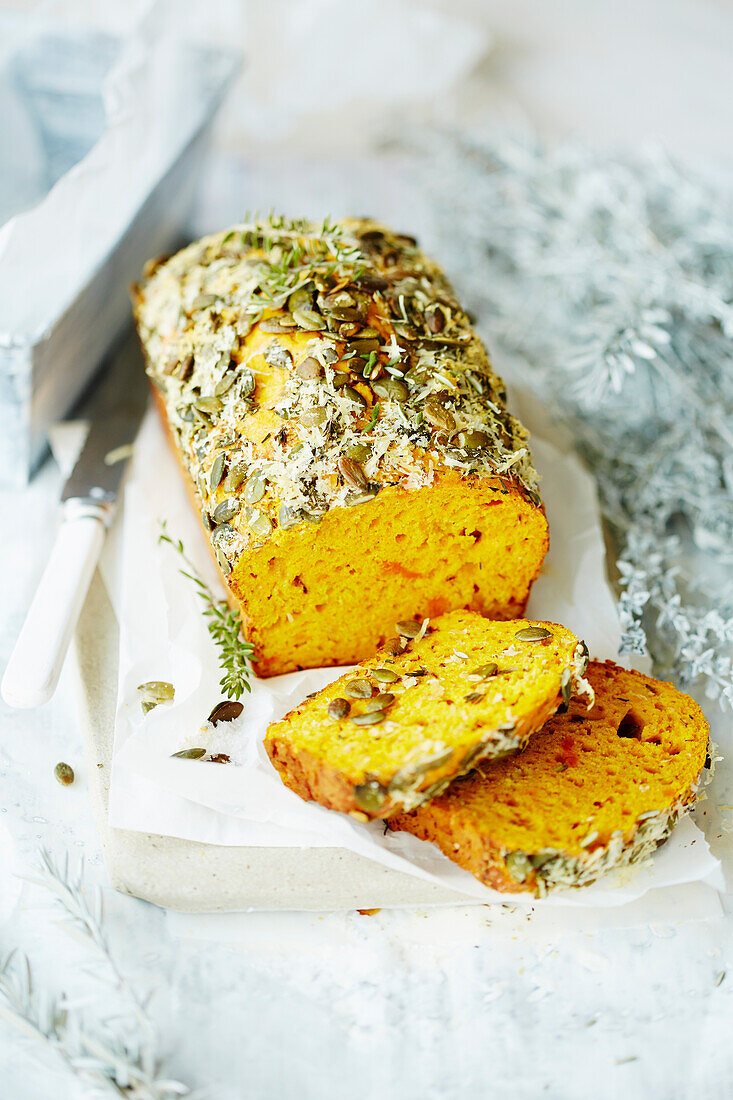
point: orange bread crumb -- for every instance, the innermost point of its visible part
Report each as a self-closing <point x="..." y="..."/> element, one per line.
<point x="396" y="730"/>
<point x="593" y="790"/>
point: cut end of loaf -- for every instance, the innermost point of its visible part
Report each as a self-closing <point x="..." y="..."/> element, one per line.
<point x="330" y="594"/>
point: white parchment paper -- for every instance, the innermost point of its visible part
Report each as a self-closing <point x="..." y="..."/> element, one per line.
<point x="163" y="636"/>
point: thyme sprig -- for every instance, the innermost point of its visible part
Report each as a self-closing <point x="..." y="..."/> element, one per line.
<point x="224" y="626"/>
<point x="122" y="1064"/>
<point x="312" y="249"/>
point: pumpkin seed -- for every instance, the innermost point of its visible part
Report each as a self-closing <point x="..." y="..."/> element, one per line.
<point x="359" y="452"/>
<point x="217" y="471"/>
<point x="302" y="298"/>
<point x="309" y="368"/>
<point x="312" y="517"/>
<point x="379" y="702"/>
<point x="184" y="369"/>
<point x="434" y="319"/>
<point x="225" y="383"/>
<point x="385" y="675"/>
<point x="314" y="418"/>
<point x="368" y="718"/>
<point x="485" y="671"/>
<point x="371" y="281"/>
<point x="255" y="488"/>
<point x="226" y="711"/>
<point x="226" y="510"/>
<point x="358" y="689"/>
<point x="472" y="756"/>
<point x="339" y="708"/>
<point x="309" y="320"/>
<point x="336" y="298"/>
<point x="358" y="498"/>
<point x="391" y="389"/>
<point x="349" y="314"/>
<point x="533" y="634"/>
<point x="566" y="686"/>
<point x="283" y="323"/>
<point x="159" y="690"/>
<point x="438" y="415"/>
<point x="349" y="329"/>
<point x="288" y="517"/>
<point x="370" y="796"/>
<point x="352" y="473"/>
<point x="189" y="754"/>
<point x="474" y="697"/>
<point x="203" y="301"/>
<point x="235" y="477"/>
<point x="223" y="561"/>
<point x="543" y="857"/>
<point x="518" y="865"/>
<point x="223" y="533"/>
<point x="208" y="405"/>
<point x="339" y="380"/>
<point x="393" y="646"/>
<point x="247" y="382"/>
<point x="406" y="776"/>
<point x="259" y="524"/>
<point x="364" y="346"/>
<point x="355" y="396"/>
<point x="409" y="628"/>
<point x="64" y="773"/>
<point x="473" y="441"/>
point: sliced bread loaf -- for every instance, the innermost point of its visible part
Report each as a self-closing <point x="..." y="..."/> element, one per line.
<point x="342" y="434"/>
<point x="595" y="790"/>
<point x="398" y="729"/>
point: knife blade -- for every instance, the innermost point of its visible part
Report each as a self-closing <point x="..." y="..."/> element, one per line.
<point x="115" y="410"/>
<point x="88" y="500"/>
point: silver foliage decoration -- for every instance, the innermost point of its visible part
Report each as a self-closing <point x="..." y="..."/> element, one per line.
<point x="612" y="279"/>
<point x="117" y="1055"/>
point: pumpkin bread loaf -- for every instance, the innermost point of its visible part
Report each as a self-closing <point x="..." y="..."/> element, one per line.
<point x="342" y="434"/>
<point x="399" y="728"/>
<point x="595" y="790"/>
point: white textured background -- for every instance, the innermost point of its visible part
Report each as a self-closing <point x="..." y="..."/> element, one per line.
<point x="451" y="1003"/>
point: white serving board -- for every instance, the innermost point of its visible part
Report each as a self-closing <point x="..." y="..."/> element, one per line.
<point x="191" y="877"/>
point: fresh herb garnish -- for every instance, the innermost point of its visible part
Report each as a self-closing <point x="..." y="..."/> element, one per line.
<point x="224" y="626"/>
<point x="375" y="417"/>
<point x="294" y="252"/>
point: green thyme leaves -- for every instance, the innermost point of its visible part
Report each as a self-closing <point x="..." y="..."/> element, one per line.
<point x="225" y="629"/>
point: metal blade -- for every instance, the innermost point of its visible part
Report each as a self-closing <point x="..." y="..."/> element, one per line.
<point x="116" y="407"/>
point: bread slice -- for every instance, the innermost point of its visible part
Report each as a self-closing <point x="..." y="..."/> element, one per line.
<point x="595" y="790"/>
<point x="342" y="433"/>
<point x="398" y="729"/>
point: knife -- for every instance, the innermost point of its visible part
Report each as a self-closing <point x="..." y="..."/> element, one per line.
<point x="87" y="509"/>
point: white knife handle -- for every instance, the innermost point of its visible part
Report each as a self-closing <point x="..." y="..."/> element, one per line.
<point x="35" y="664"/>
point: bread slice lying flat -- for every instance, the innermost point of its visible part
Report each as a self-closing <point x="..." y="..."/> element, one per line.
<point x="398" y="729"/>
<point x="594" y="790"/>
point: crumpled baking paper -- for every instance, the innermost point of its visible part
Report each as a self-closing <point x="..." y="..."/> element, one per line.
<point x="163" y="636"/>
